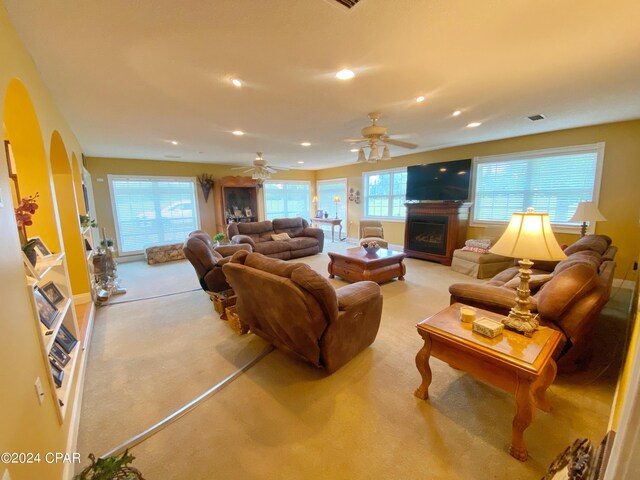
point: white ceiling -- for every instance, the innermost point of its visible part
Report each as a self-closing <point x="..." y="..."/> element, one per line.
<point x="132" y="76"/>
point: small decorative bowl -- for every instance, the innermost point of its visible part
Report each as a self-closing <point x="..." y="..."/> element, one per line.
<point x="371" y="250"/>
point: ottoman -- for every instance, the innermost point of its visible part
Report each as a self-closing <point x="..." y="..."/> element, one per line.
<point x="479" y="265"/>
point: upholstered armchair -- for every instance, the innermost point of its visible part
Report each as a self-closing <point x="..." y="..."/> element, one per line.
<point x="371" y="230"/>
<point x="207" y="260"/>
<point x="298" y="311"/>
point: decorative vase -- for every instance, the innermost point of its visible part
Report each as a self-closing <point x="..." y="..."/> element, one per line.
<point x="371" y="250"/>
<point x="326" y="215"/>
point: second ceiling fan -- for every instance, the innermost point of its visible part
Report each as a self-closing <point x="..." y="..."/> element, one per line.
<point x="260" y="170"/>
<point x="375" y="135"/>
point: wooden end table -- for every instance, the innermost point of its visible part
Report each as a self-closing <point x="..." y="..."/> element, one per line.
<point x="355" y="265"/>
<point x="517" y="364"/>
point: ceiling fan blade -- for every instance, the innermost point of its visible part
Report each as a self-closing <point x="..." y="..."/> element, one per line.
<point x="356" y="140"/>
<point x="279" y="168"/>
<point x="399" y="143"/>
<point x="238" y="168"/>
<point x="270" y="170"/>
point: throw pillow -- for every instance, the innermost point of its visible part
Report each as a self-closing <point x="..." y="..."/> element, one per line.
<point x="535" y="281"/>
<point x="280" y="236"/>
<point x="372" y="232"/>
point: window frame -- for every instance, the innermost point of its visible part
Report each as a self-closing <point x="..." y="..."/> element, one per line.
<point x="289" y="182"/>
<point x="365" y="195"/>
<point x="599" y="149"/>
<point x="344" y="198"/>
<point x="112" y="177"/>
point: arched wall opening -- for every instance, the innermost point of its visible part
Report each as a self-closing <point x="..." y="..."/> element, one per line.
<point x="67" y="204"/>
<point x="32" y="169"/>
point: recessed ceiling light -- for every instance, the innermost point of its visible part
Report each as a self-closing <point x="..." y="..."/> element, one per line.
<point x="456" y="113"/>
<point x="236" y="82"/>
<point x="354" y="150"/>
<point x="300" y="162"/>
<point x="345" y="74"/>
<point x="443" y="169"/>
<point x="174" y="142"/>
<point x="420" y="99"/>
<point x="474" y="124"/>
<point x="238" y="132"/>
<point x="305" y="144"/>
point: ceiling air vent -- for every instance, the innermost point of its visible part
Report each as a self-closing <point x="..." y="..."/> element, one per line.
<point x="535" y="118"/>
<point x="347" y="3"/>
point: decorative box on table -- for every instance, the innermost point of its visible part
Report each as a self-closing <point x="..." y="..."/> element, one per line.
<point x="487" y="327"/>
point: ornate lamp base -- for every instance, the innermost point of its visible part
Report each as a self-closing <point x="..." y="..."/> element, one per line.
<point x="520" y="318"/>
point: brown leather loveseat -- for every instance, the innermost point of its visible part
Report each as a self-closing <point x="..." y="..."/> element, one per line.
<point x="568" y="295"/>
<point x="298" y="311"/>
<point x="303" y="240"/>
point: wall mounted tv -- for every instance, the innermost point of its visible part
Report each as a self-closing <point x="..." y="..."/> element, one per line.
<point x="445" y="181"/>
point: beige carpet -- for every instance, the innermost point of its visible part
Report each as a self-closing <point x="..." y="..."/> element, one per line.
<point x="285" y="420"/>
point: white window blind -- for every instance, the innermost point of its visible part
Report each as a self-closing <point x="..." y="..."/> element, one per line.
<point x="327" y="191"/>
<point x="286" y="199"/>
<point x="384" y="193"/>
<point x="551" y="181"/>
<point x="152" y="210"/>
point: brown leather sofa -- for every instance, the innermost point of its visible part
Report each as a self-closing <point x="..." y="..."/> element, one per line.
<point x="568" y="295"/>
<point x="298" y="311"/>
<point x="304" y="240"/>
<point x="207" y="260"/>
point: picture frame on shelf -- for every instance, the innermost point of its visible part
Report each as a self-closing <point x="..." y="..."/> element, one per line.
<point x="247" y="212"/>
<point x="59" y="355"/>
<point x="41" y="249"/>
<point x="87" y="246"/>
<point x="29" y="267"/>
<point x="319" y="213"/>
<point x="237" y="212"/>
<point x="47" y="311"/>
<point x="66" y="339"/>
<point x="57" y="372"/>
<point x="52" y="292"/>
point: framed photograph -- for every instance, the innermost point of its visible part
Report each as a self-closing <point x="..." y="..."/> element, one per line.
<point x="51" y="291"/>
<point x="237" y="212"/>
<point x="247" y="212"/>
<point x="47" y="311"/>
<point x="59" y="355"/>
<point x="66" y="340"/>
<point x="87" y="245"/>
<point x="29" y="270"/>
<point x="58" y="374"/>
<point x="319" y="213"/>
<point x="11" y="161"/>
<point x="40" y="248"/>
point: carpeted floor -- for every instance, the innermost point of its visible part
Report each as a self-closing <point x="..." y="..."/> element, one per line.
<point x="285" y="420"/>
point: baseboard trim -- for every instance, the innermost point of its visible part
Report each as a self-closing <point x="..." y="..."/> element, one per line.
<point x="74" y="421"/>
<point x="82" y="298"/>
<point x="628" y="284"/>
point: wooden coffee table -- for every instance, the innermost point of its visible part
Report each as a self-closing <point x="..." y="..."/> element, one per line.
<point x="355" y="264"/>
<point x="520" y="365"/>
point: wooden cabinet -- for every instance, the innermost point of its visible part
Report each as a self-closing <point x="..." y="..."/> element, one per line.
<point x="236" y="201"/>
<point x="57" y="326"/>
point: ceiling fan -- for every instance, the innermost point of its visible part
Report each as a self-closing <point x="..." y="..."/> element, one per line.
<point x="260" y="170"/>
<point x="374" y="135"/>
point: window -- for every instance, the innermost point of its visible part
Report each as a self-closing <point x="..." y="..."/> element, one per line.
<point x="551" y="181"/>
<point x="286" y="199"/>
<point x="152" y="210"/>
<point x="327" y="191"/>
<point x="384" y="193"/>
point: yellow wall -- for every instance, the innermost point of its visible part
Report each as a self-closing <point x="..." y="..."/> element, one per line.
<point x="25" y="426"/>
<point x="101" y="167"/>
<point x="619" y="192"/>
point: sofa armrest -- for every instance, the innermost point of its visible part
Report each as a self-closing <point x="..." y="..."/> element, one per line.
<point x="610" y="253"/>
<point x="243" y="239"/>
<point x="315" y="233"/>
<point x="229" y="250"/>
<point x="356" y="294"/>
<point x="490" y="297"/>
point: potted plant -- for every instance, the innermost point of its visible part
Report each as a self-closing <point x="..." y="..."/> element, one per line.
<point x="87" y="221"/>
<point x="219" y="237"/>
<point x="110" y="468"/>
<point x="24" y="213"/>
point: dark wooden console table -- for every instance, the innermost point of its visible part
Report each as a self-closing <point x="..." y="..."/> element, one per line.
<point x="434" y="230"/>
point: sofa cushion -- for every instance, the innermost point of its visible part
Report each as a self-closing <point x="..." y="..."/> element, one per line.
<point x="300" y="243"/>
<point x="585" y="257"/>
<point x="272" y="247"/>
<point x="564" y="289"/>
<point x="535" y="281"/>
<point x="596" y="243"/>
<point x="292" y="226"/>
<point x="319" y="287"/>
<point x="280" y="236"/>
<point x="270" y="265"/>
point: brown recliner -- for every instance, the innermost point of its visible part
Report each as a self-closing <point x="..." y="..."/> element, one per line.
<point x="207" y="260"/>
<point x="298" y="311"/>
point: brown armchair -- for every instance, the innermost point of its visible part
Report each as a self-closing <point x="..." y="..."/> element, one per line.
<point x="207" y="260"/>
<point x="298" y="311"/>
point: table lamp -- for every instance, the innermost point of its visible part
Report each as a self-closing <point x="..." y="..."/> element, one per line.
<point x="527" y="236"/>
<point x="336" y="200"/>
<point x="586" y="212"/>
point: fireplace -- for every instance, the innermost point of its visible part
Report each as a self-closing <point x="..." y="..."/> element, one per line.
<point x="435" y="229"/>
<point x="428" y="234"/>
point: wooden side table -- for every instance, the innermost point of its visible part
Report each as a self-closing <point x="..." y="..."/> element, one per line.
<point x="333" y="222"/>
<point x="517" y="364"/>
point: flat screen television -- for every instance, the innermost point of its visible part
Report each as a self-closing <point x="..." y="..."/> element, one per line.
<point x="448" y="181"/>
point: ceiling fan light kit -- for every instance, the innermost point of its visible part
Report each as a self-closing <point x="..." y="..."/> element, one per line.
<point x="260" y="170"/>
<point x="375" y="134"/>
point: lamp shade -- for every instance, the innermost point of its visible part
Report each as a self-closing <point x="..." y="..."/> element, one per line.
<point x="529" y="235"/>
<point x="587" y="212"/>
<point x="361" y="155"/>
<point x="336" y="199"/>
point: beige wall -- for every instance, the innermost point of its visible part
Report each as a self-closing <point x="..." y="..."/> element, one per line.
<point x="25" y="425"/>
<point x="100" y="168"/>
<point x="619" y="191"/>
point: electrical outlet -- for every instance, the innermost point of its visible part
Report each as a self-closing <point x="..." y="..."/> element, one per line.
<point x="5" y="475"/>
<point x="39" y="390"/>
